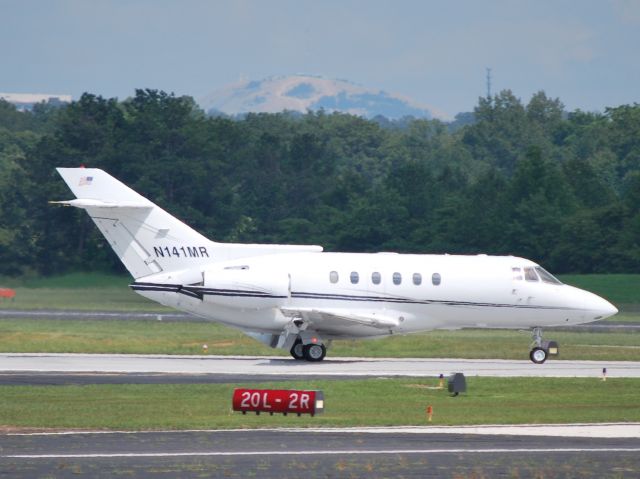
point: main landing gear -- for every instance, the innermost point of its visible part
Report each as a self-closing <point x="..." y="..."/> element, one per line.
<point x="541" y="350"/>
<point x="309" y="352"/>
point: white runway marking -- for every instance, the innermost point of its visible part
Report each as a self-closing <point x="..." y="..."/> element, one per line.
<point x="594" y="430"/>
<point x="265" y="365"/>
<point x="321" y="453"/>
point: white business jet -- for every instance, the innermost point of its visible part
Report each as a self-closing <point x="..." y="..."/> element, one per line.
<point x="300" y="298"/>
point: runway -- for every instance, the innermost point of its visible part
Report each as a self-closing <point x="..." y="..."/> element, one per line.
<point x="475" y="451"/>
<point x="285" y="367"/>
<point x="320" y="453"/>
<point x="469" y="451"/>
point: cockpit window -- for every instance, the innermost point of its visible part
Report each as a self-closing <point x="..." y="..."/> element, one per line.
<point x="546" y="276"/>
<point x="530" y="274"/>
<point x="517" y="273"/>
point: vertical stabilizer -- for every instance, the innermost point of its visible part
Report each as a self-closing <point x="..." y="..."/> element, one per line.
<point x="146" y="238"/>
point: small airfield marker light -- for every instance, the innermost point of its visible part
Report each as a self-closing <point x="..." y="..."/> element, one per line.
<point x="604" y="374"/>
<point x="441" y="385"/>
<point x="205" y="348"/>
<point x="429" y="413"/>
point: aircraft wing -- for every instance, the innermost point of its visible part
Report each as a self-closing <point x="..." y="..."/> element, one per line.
<point x="329" y="318"/>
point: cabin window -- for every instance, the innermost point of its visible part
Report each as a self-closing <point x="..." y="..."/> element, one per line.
<point x="546" y="276"/>
<point x="376" y="278"/>
<point x="333" y="277"/>
<point x="397" y="278"/>
<point x="517" y="273"/>
<point x="436" y="279"/>
<point x="417" y="279"/>
<point x="355" y="277"/>
<point x="530" y="274"/>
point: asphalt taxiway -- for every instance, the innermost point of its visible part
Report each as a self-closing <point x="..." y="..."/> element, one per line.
<point x="415" y="452"/>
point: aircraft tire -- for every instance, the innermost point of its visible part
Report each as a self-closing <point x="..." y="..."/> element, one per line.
<point x="297" y="350"/>
<point x="315" y="352"/>
<point x="538" y="355"/>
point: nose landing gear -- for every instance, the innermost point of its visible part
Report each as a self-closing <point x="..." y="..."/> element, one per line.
<point x="540" y="349"/>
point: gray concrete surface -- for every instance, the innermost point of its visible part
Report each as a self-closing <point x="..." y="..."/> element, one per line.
<point x="286" y="366"/>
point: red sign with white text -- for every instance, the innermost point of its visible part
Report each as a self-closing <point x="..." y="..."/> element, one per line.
<point x="283" y="401"/>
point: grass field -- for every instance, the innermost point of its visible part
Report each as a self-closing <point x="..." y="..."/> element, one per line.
<point x="71" y="280"/>
<point x="82" y="299"/>
<point x="87" y="299"/>
<point x="158" y="337"/>
<point x="78" y="291"/>
<point x="372" y="402"/>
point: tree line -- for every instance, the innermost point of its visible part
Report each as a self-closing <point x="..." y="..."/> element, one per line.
<point x="531" y="180"/>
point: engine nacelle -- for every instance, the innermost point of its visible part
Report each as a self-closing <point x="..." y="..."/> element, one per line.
<point x="243" y="287"/>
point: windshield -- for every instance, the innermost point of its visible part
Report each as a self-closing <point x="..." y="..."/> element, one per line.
<point x="530" y="274"/>
<point x="546" y="276"/>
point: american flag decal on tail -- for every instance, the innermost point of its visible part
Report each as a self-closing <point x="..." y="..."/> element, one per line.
<point x="85" y="181"/>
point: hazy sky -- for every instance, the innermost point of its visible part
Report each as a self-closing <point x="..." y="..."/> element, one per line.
<point x="584" y="51"/>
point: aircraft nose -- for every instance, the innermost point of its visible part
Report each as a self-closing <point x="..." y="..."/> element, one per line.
<point x="599" y="307"/>
<point x="610" y="309"/>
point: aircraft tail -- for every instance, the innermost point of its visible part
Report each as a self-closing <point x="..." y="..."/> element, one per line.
<point x="146" y="238"/>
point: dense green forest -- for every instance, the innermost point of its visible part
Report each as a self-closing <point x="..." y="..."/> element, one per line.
<point x="529" y="179"/>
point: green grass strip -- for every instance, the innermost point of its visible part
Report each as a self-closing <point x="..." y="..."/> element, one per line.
<point x="158" y="337"/>
<point x="82" y="299"/>
<point x="373" y="402"/>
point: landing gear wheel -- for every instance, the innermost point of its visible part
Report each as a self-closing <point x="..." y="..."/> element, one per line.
<point x="297" y="350"/>
<point x="314" y="352"/>
<point x="538" y="355"/>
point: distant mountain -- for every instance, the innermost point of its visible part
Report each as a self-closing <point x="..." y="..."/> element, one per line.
<point x="303" y="92"/>
<point x="26" y="101"/>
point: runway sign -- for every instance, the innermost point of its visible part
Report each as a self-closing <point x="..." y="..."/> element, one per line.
<point x="283" y="401"/>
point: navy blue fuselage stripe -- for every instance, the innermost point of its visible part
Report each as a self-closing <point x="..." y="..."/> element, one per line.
<point x="190" y="293"/>
<point x="391" y="299"/>
<point x="198" y="292"/>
